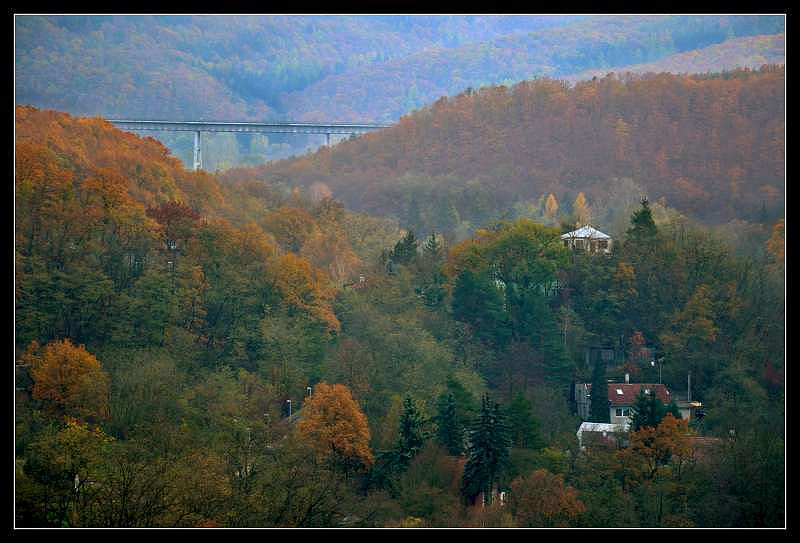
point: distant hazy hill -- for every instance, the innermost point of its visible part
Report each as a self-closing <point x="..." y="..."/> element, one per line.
<point x="711" y="147"/>
<point x="752" y="52"/>
<point x="218" y="67"/>
<point x="386" y="90"/>
<point x="331" y="67"/>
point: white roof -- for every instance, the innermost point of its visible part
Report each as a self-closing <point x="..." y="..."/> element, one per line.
<point x="602" y="427"/>
<point x="586" y="232"/>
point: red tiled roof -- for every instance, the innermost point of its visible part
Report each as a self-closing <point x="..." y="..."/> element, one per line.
<point x="631" y="390"/>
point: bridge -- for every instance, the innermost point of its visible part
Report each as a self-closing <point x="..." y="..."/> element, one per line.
<point x="262" y="128"/>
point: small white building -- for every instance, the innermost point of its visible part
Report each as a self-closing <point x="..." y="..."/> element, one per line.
<point x="589" y="239"/>
<point x="610" y="432"/>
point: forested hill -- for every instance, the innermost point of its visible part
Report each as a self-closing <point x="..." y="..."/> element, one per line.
<point x="219" y="67"/>
<point x="710" y="146"/>
<point x="386" y="90"/>
<point x="353" y="68"/>
<point x="168" y="323"/>
<point x="749" y="52"/>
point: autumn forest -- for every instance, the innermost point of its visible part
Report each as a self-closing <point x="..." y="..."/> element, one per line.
<point x="388" y="332"/>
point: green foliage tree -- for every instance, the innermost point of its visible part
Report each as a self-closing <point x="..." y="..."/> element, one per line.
<point x="478" y="302"/>
<point x="523" y="426"/>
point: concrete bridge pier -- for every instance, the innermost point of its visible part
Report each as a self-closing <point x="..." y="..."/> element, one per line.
<point x="198" y="159"/>
<point x="327" y="139"/>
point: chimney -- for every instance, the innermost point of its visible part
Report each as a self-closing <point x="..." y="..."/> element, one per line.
<point x="627" y="378"/>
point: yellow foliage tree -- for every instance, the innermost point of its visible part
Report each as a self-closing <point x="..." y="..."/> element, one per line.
<point x="581" y="209"/>
<point x="551" y="206"/>
<point x="335" y="427"/>
<point x="69" y="379"/>
<point x="775" y="245"/>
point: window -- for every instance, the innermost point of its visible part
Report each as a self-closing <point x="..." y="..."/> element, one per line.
<point x="622" y="412"/>
<point x="602" y="244"/>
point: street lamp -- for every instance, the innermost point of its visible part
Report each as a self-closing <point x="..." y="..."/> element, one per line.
<point x="653" y="364"/>
<point x="308" y="389"/>
<point x="290" y="407"/>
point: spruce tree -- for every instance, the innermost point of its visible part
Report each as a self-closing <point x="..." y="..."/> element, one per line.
<point x="487" y="453"/>
<point x="412" y="434"/>
<point x="642" y="225"/>
<point x="432" y="250"/>
<point x="598" y="407"/>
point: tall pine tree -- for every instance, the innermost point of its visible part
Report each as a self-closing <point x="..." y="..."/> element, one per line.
<point x="412" y="434"/>
<point x="487" y="454"/>
<point x="642" y="225"/>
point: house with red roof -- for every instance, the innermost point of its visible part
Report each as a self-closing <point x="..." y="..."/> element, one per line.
<point x="621" y="398"/>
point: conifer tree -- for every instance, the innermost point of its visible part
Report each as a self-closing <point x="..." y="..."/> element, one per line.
<point x="642" y="225"/>
<point x="412" y="434"/>
<point x="488" y="452"/>
<point x="432" y="249"/>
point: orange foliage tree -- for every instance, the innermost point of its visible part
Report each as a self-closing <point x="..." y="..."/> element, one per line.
<point x="652" y="450"/>
<point x="335" y="427"/>
<point x="542" y="500"/>
<point x="69" y="379"/>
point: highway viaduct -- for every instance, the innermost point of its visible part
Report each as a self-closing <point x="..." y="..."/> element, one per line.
<point x="210" y="126"/>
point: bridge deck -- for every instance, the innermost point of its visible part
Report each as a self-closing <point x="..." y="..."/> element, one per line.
<point x="211" y="126"/>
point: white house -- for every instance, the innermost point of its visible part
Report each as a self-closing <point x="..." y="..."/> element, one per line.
<point x="589" y="239"/>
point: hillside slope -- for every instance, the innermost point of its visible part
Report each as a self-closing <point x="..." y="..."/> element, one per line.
<point x="387" y="90"/>
<point x="750" y="52"/>
<point x="218" y="67"/>
<point x="711" y="146"/>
